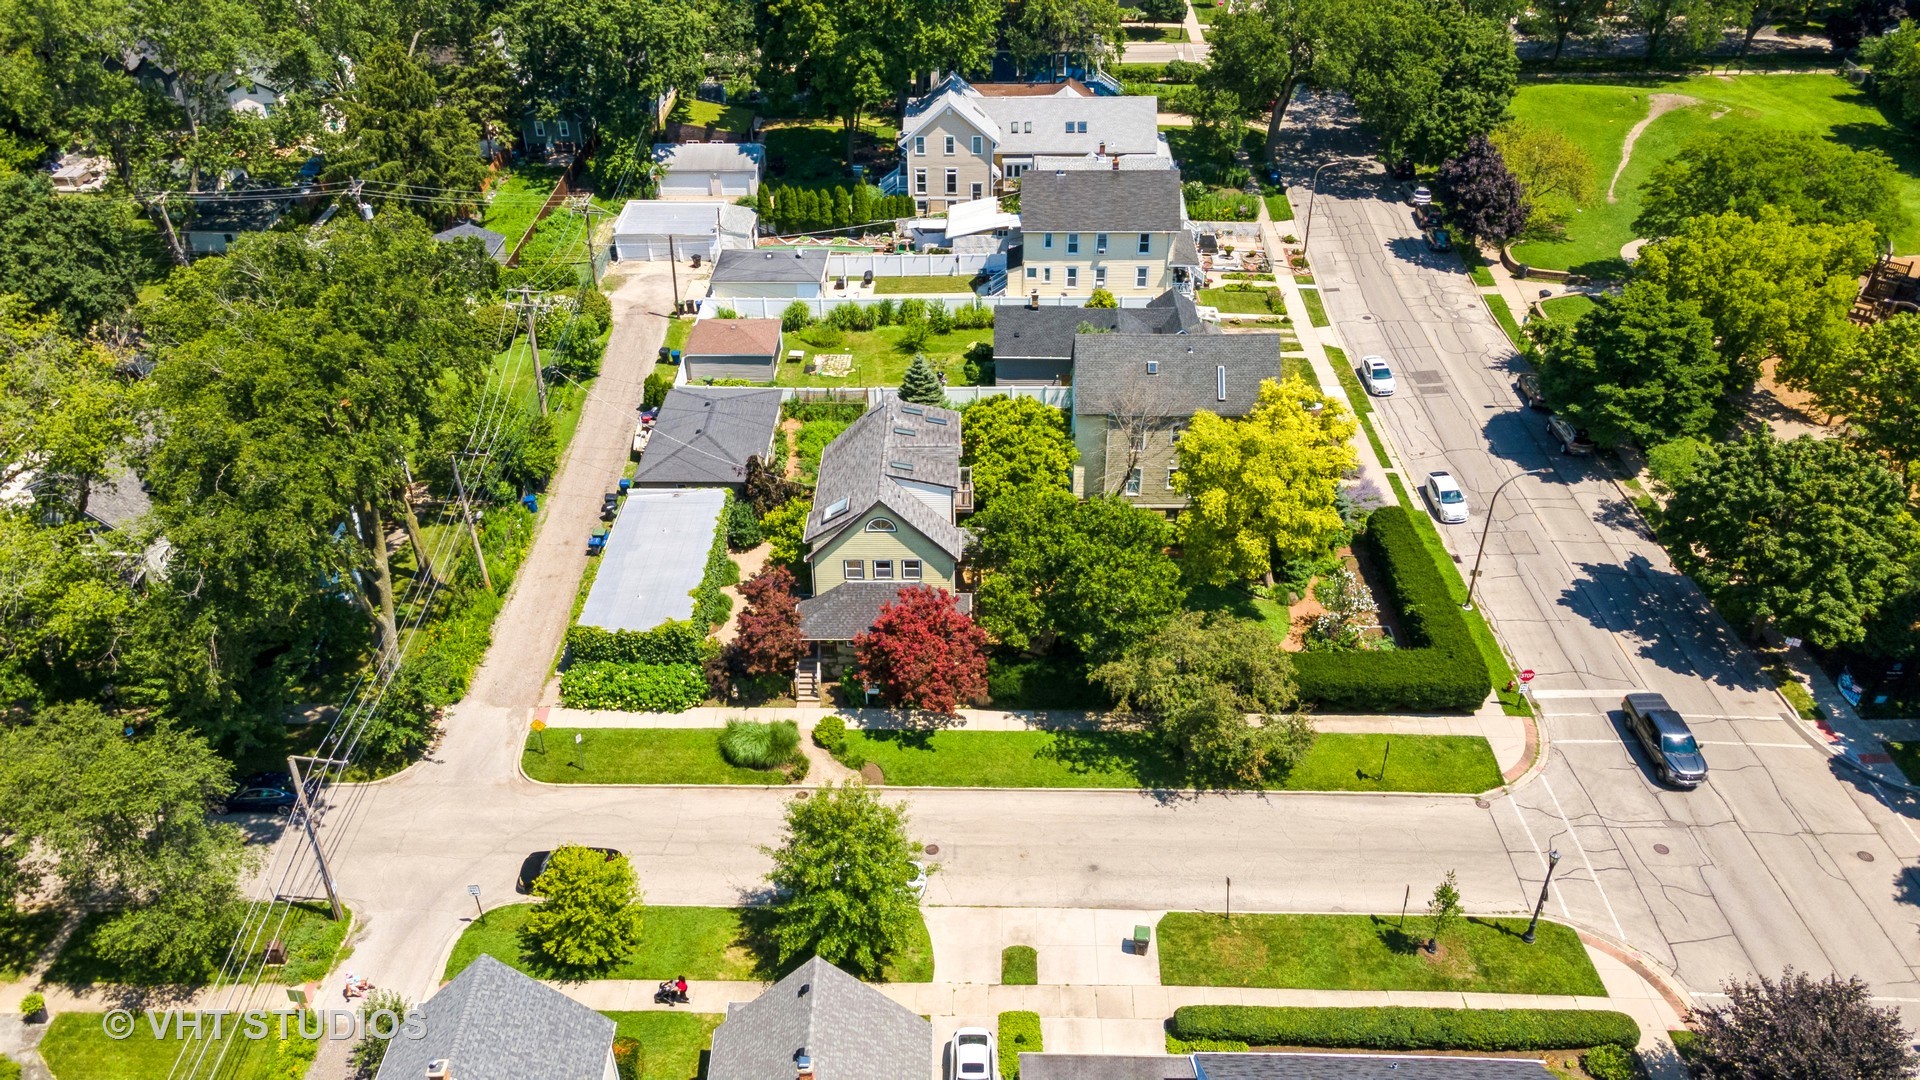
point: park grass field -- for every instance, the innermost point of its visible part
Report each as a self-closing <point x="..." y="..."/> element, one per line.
<point x="1599" y="116"/>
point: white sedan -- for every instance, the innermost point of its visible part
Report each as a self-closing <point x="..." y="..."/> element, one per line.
<point x="1377" y="376"/>
<point x="974" y="1055"/>
<point x="1448" y="501"/>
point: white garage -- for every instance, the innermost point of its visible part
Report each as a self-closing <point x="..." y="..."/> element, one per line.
<point x="648" y="229"/>
<point x="709" y="170"/>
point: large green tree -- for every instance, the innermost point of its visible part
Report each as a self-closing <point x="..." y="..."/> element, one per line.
<point x="606" y="60"/>
<point x="1041" y="31"/>
<point x="66" y="612"/>
<point x="1819" y="181"/>
<point x="841" y="880"/>
<point x="1561" y="20"/>
<point x="81" y="257"/>
<point x="1873" y="386"/>
<point x="1263" y="51"/>
<point x="1013" y="443"/>
<point x="1197" y="681"/>
<point x="1093" y="573"/>
<point x="589" y="911"/>
<point x="1895" y="60"/>
<point x="119" y="824"/>
<point x="1555" y="173"/>
<point x="1263" y="485"/>
<point x="1674" y="28"/>
<point x="1770" y="286"/>
<point x="1426" y="75"/>
<point x="66" y="415"/>
<point x="1812" y="536"/>
<point x="1640" y="368"/>
<point x="402" y="133"/>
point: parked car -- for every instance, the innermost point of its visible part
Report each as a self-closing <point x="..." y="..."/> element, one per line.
<point x="536" y="864"/>
<point x="1664" y="735"/>
<point x="1422" y="196"/>
<point x="1426" y="217"/>
<point x="260" y="798"/>
<point x="1572" y="440"/>
<point x="1377" y="376"/>
<point x="974" y="1055"/>
<point x="1438" y="240"/>
<point x="1444" y="494"/>
<point x="1529" y="386"/>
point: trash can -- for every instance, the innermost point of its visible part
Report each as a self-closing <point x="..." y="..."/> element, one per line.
<point x="531" y="502"/>
<point x="625" y="485"/>
<point x="1142" y="937"/>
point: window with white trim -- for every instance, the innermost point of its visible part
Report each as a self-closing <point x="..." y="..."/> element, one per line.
<point x="1139" y="441"/>
<point x="909" y="569"/>
<point x="1099" y="243"/>
<point x="565" y="132"/>
<point x="1046" y="241"/>
<point x="976" y="191"/>
<point x="853" y="569"/>
<point x="919" y="146"/>
<point x="1139" y="277"/>
<point x="949" y="146"/>
<point x="1046" y="274"/>
<point x="1133" y="481"/>
<point x="1033" y="271"/>
<point x="1073" y="276"/>
<point x="1073" y="243"/>
<point x="1172" y="471"/>
<point x="919" y="181"/>
<point x="881" y="525"/>
<point x="1146" y="244"/>
<point x="953" y="181"/>
<point x="539" y="129"/>
<point x="978" y="144"/>
<point x="883" y="569"/>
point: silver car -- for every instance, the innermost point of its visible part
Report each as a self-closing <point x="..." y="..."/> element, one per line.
<point x="1444" y="495"/>
<point x="1377" y="376"/>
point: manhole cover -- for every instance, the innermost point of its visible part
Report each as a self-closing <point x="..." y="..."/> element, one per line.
<point x="933" y="849"/>
<point x="1865" y="856"/>
<point x="1366" y="318"/>
<point x="1094" y="866"/>
<point x="1482" y="803"/>
<point x="1662" y="849"/>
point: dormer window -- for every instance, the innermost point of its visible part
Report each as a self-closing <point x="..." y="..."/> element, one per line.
<point x="881" y="525"/>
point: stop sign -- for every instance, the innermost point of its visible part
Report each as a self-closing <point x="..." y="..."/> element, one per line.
<point x="1527" y="675"/>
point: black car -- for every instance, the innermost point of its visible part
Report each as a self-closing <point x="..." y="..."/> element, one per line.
<point x="1438" y="240"/>
<point x="1528" y="384"/>
<point x="259" y="798"/>
<point x="1664" y="735"/>
<point x="536" y="864"/>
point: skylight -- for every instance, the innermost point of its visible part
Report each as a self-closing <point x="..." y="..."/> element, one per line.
<point x="839" y="507"/>
<point x="903" y="466"/>
<point x="913" y="410"/>
<point x="941" y="420"/>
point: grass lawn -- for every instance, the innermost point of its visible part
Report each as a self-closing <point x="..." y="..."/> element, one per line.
<point x="878" y="359"/>
<point x="1371" y="952"/>
<point x="1294" y="365"/>
<point x="698" y="942"/>
<point x="23" y="936"/>
<point x="1503" y="314"/>
<point x="677" y="331"/>
<point x="932" y="285"/>
<point x="517" y="198"/>
<point x="565" y="399"/>
<point x="815" y="151"/>
<point x="1019" y="966"/>
<point x="1278" y="208"/>
<point x="1477" y="267"/>
<point x="673" y="1045"/>
<point x="311" y="936"/>
<point x="712" y="114"/>
<point x="1174" y="34"/>
<point x="1206" y="13"/>
<point x="1240" y="603"/>
<point x="1567" y="308"/>
<point x="638" y="756"/>
<point x="76" y="1048"/>
<point x="1238" y="301"/>
<point x="1316" y="311"/>
<point x="1598" y="116"/>
<point x="1099" y="759"/>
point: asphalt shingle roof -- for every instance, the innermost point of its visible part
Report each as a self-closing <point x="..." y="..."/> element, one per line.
<point x="849" y="1029"/>
<point x="1110" y="373"/>
<point x="493" y="1023"/>
<point x="733" y="337"/>
<point x="1105" y="1067"/>
<point x="1095" y="201"/>
<point x="1363" y="1067"/>
<point x="709" y="157"/>
<point x="705" y="434"/>
<point x="495" y="244"/>
<point x="872" y="461"/>
<point x="1024" y="332"/>
<point x="848" y="610"/>
<point x="1126" y="125"/>
<point x="770" y="265"/>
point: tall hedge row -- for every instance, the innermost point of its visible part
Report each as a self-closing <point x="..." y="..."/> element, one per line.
<point x="673" y="642"/>
<point x="1407" y="1028"/>
<point x="1437" y="665"/>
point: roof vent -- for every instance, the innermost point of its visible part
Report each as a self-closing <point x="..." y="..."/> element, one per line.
<point x="1153" y="367"/>
<point x="439" y="1069"/>
<point x="1220" y="381"/>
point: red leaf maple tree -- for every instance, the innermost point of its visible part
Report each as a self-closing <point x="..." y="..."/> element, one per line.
<point x="768" y="641"/>
<point x="923" y="652"/>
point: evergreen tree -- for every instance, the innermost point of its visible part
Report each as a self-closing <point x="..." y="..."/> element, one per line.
<point x="922" y="385"/>
<point x="862" y="203"/>
<point x="842" y="208"/>
<point x="763" y="204"/>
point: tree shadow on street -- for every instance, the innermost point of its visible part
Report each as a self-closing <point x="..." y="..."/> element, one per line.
<point x="1669" y="620"/>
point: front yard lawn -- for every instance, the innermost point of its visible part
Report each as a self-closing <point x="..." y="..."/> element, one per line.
<point x="637" y="756"/>
<point x="23" y="936"/>
<point x="878" y="359"/>
<point x="312" y="939"/>
<point x="1371" y="952"/>
<point x="930" y="285"/>
<point x="1567" y="308"/>
<point x="1171" y="33"/>
<point x="673" y="1045"/>
<point x="1316" y="310"/>
<point x="698" y="942"/>
<point x="1240" y="301"/>
<point x="75" y="1048"/>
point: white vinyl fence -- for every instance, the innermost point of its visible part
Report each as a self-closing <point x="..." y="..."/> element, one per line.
<point x="913" y="265"/>
<point x="770" y="307"/>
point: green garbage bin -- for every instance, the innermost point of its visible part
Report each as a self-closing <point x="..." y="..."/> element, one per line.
<point x="1142" y="937"/>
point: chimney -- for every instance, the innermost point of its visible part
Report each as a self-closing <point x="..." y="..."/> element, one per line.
<point x="802" y="1065"/>
<point x="1033" y="300"/>
<point x="439" y="1069"/>
<point x="1116" y="163"/>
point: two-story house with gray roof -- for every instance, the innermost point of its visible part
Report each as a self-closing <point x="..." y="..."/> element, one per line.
<point x="494" y="1023"/>
<point x="1033" y="343"/>
<point x="820" y="1023"/>
<point x="958" y="144"/>
<point x="1125" y="232"/>
<point x="1133" y="395"/>
<point x="885" y="516"/>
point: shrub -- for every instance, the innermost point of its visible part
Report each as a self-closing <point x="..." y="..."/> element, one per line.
<point x="1019" y="966"/>
<point x="627" y="1057"/>
<point x="711" y="606"/>
<point x="882" y="312"/>
<point x="32" y="1004"/>
<point x="826" y="336"/>
<point x="633" y="687"/>
<point x="1041" y="683"/>
<point x="743" y="529"/>
<point x="1437" y="664"/>
<point x="1683" y="1040"/>
<point x="1610" y="1062"/>
<point x="813" y="440"/>
<point x="830" y="734"/>
<point x="806" y="411"/>
<point x="751" y="744"/>
<point x="669" y="643"/>
<point x="1177" y="1045"/>
<point x="973" y="316"/>
<point x="1407" y="1028"/>
<point x="979" y="367"/>
<point x="9" y="1068"/>
<point x="939" y="319"/>
<point x="1019" y="1032"/>
<point x="797" y="316"/>
<point x="658" y="383"/>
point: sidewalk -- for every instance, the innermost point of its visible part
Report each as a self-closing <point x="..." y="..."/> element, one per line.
<point x="1507" y="735"/>
<point x="1843" y="732"/>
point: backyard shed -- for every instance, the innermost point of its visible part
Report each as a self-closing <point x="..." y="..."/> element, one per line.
<point x="654" y="559"/>
<point x="709" y="170"/>
<point x="648" y="229"/>
<point x="705" y="434"/>
<point x="767" y="272"/>
<point x="732" y="349"/>
<point x="495" y="244"/>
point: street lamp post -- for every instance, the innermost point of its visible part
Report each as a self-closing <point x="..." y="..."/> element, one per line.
<point x="1473" y="579"/>
<point x="1553" y="860"/>
<point x="1312" y="195"/>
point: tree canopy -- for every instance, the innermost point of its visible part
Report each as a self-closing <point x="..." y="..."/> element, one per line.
<point x="1812" y="536"/>
<point x="923" y="652"/>
<point x="1873" y="385"/>
<point x="589" y="911"/>
<point x="401" y="131"/>
<point x="81" y="257"/>
<point x="1747" y="172"/>
<point x="841" y="874"/>
<point x="1640" y="369"/>
<point x="1797" y="1026"/>
<point x="1426" y="75"/>
<point x="606" y="59"/>
<point x="1013" y="443"/>
<point x="1556" y="175"/>
<point x="1484" y="198"/>
<point x="1262" y="51"/>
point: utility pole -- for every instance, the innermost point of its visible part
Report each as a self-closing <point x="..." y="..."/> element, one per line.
<point x="673" y="268"/>
<point x="1473" y="579"/>
<point x="533" y="307"/>
<point x="581" y="204"/>
<point x="466" y="512"/>
<point x="306" y="822"/>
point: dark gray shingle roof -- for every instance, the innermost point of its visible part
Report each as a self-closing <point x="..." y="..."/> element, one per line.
<point x="1047" y="332"/>
<point x="763" y="264"/>
<point x="848" y="610"/>
<point x="1105" y="1067"/>
<point x="1110" y="373"/>
<point x="493" y="1023"/>
<point x="705" y="434"/>
<point x="1363" y="1067"/>
<point x="876" y="457"/>
<point x="118" y="498"/>
<point x="1095" y="201"/>
<point x="849" y="1029"/>
<point x="495" y="244"/>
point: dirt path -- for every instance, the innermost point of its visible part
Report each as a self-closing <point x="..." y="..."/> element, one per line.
<point x="1659" y="105"/>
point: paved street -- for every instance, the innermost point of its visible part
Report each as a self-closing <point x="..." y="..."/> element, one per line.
<point x="1768" y="865"/>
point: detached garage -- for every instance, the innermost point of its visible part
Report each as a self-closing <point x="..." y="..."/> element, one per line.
<point x="648" y="229"/>
<point x="708" y="170"/>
